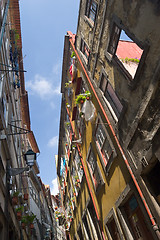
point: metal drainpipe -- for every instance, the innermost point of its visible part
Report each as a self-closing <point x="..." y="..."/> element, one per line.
<point x="99" y="38"/>
<point x="154" y="225"/>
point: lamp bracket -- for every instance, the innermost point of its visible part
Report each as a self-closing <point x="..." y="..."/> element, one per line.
<point x="21" y="130"/>
<point x="16" y="171"/>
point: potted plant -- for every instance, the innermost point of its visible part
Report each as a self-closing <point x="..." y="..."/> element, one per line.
<point x="81" y="114"/>
<point x="80" y="99"/>
<point x="15" y="197"/>
<point x="25" y="196"/>
<point x="73" y="54"/>
<point x="67" y="105"/>
<point x="30" y="219"/>
<point x="23" y="222"/>
<point x="67" y="124"/>
<point x="19" y="212"/>
<point x="88" y="95"/>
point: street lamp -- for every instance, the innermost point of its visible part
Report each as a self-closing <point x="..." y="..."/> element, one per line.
<point x="30" y="157"/>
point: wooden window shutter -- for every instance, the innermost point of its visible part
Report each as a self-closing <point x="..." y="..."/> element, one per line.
<point x="74" y="113"/>
<point x="114" y="39"/>
<point x="79" y="81"/>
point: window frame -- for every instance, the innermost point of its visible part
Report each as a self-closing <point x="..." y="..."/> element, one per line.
<point x="111" y="55"/>
<point x="83" y="44"/>
<point x="89" y="10"/>
<point x="100" y="183"/>
<point x="112" y="216"/>
<point x="110" y="102"/>
<point x="107" y="138"/>
<point x="129" y="192"/>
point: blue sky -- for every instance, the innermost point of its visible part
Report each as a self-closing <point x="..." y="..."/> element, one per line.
<point x="44" y="24"/>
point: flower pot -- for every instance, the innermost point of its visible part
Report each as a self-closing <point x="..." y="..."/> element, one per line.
<point x="31" y="225"/>
<point x="25" y="197"/>
<point x="19" y="215"/>
<point x="23" y="225"/>
<point x="15" y="200"/>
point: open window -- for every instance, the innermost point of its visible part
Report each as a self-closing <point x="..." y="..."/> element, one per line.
<point x="114" y="104"/>
<point x="91" y="10"/>
<point x="127" y="51"/>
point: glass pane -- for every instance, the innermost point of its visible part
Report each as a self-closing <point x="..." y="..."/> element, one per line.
<point x="100" y="134"/>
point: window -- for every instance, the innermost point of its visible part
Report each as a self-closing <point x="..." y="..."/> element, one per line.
<point x="94" y="169"/>
<point x="80" y="234"/>
<point x="136" y="219"/>
<point x="91" y="9"/>
<point x="86" y="228"/>
<point x="126" y="51"/>
<point x="112" y="225"/>
<point x="85" y="50"/>
<point x="104" y="145"/>
<point x="113" y="101"/>
<point x="80" y="124"/>
<point x="154" y="180"/>
<point x="5" y="105"/>
<point x="92" y="218"/>
<point x="113" y="230"/>
<point x="79" y="165"/>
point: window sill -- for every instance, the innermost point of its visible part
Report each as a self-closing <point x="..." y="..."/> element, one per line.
<point x="90" y="23"/>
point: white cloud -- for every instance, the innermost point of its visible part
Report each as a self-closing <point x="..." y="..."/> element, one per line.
<point x="52" y="105"/>
<point x="57" y="68"/>
<point x="53" y="142"/>
<point x="43" y="87"/>
<point x="54" y="187"/>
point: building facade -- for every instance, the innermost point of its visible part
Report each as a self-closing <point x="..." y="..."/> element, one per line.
<point x="108" y="159"/>
<point x="20" y="188"/>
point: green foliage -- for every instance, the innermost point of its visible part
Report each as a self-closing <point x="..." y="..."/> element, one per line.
<point x="80" y="98"/>
<point x="19" y="209"/>
<point x="30" y="218"/>
<point x="73" y="54"/>
<point x="126" y="60"/>
<point x="24" y="220"/>
<point x="16" y="194"/>
<point x="87" y="94"/>
<point x="67" y="124"/>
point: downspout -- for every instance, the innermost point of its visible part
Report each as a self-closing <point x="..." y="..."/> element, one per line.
<point x="93" y="200"/>
<point x="99" y="38"/>
<point x="154" y="225"/>
<point x="3" y="24"/>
